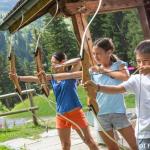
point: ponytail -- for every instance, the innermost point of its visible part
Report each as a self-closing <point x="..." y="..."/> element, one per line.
<point x="114" y="58"/>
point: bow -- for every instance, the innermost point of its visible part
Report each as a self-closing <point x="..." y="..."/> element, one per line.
<point x="38" y="57"/>
<point x="86" y="57"/>
<point x="91" y="102"/>
<point x="12" y="70"/>
<point x="40" y="71"/>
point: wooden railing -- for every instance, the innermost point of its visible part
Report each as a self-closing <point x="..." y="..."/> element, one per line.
<point x="32" y="108"/>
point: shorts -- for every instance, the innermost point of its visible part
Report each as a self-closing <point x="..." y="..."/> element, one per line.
<point x="143" y="144"/>
<point x="112" y="121"/>
<point x="73" y="119"/>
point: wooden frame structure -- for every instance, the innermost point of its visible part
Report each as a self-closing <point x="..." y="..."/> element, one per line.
<point x="33" y="9"/>
<point x="78" y="10"/>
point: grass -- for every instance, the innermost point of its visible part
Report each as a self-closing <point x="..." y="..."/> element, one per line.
<point x="29" y="130"/>
<point x="46" y="106"/>
<point x="23" y="131"/>
<point x="4" y="148"/>
<point x="49" y="110"/>
<point x="130" y="101"/>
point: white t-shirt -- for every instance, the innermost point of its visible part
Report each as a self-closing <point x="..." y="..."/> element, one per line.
<point x="140" y="86"/>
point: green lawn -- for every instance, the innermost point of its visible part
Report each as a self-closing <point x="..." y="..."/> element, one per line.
<point x="4" y="148"/>
<point x="47" y="108"/>
<point x="130" y="101"/>
<point x="44" y="110"/>
<point x="28" y="130"/>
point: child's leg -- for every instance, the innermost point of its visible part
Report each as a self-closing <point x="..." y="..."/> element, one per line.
<point x="110" y="144"/>
<point x="128" y="134"/>
<point x="121" y="123"/>
<point x="88" y="139"/>
<point x="64" y="135"/>
<point x="64" y="131"/>
<point x="79" y="118"/>
<point x="105" y="123"/>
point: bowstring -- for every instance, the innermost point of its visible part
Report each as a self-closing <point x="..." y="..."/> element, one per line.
<point x="139" y="106"/>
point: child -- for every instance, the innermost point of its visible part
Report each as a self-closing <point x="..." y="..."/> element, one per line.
<point x="112" y="115"/>
<point x="140" y="85"/>
<point x="67" y="102"/>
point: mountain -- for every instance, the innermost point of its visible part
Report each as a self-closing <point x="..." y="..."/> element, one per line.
<point x="7" y="5"/>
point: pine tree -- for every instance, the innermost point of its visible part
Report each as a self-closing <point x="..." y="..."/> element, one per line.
<point x="59" y="37"/>
<point x="134" y="34"/>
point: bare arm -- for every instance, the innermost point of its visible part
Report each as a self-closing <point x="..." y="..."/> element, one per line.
<point x="111" y="89"/>
<point x="121" y="74"/>
<point x="72" y="61"/>
<point x="29" y="79"/>
<point x="24" y="78"/>
<point x="64" y="76"/>
<point x="93" y="88"/>
<point x="60" y="76"/>
<point x="75" y="64"/>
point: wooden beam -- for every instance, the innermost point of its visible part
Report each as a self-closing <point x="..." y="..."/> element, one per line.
<point x="19" y="111"/>
<point x="90" y="6"/>
<point x="35" y="12"/>
<point x="144" y="22"/>
<point x="80" y="24"/>
<point x="16" y="94"/>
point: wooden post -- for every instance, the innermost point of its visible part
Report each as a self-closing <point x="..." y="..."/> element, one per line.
<point x="144" y="22"/>
<point x="19" y="111"/>
<point x="80" y="23"/>
<point x="33" y="111"/>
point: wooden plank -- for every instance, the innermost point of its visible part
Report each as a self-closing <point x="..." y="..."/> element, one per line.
<point x="80" y="24"/>
<point x="35" y="121"/>
<point x="19" y="111"/>
<point x="16" y="94"/>
<point x="90" y="6"/>
<point x="147" y="9"/>
<point x="144" y="22"/>
<point x="35" y="12"/>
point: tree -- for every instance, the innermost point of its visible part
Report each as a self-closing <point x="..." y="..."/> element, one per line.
<point x="134" y="34"/>
<point x="59" y="37"/>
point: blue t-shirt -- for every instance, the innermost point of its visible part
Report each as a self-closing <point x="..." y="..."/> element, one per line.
<point x="66" y="95"/>
<point x="109" y="103"/>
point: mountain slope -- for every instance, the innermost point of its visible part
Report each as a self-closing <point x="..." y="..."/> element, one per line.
<point x="7" y="5"/>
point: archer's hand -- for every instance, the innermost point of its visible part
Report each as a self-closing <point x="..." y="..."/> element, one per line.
<point x="98" y="69"/>
<point x="13" y="76"/>
<point x="40" y="73"/>
<point x="91" y="88"/>
<point x="144" y="70"/>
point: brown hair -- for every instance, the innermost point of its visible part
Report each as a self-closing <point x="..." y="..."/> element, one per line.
<point x="143" y="47"/>
<point x="106" y="44"/>
<point x="60" y="56"/>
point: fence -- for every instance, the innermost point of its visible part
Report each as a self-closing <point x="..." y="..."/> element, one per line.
<point x="32" y="107"/>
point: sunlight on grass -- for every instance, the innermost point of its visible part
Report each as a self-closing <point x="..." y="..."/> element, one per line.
<point x="28" y="130"/>
<point x="4" y="148"/>
<point x="47" y="108"/>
